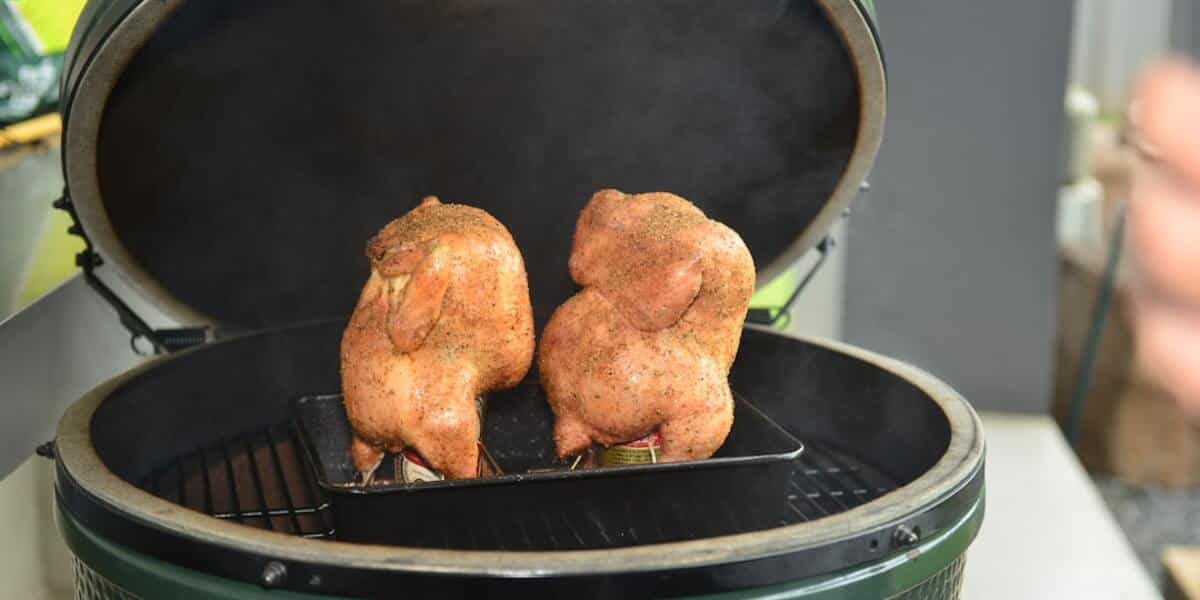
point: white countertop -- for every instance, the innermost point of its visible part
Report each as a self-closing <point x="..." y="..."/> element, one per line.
<point x="1046" y="531"/>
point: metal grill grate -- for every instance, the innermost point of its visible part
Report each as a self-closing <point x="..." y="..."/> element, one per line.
<point x="260" y="479"/>
<point x="827" y="481"/>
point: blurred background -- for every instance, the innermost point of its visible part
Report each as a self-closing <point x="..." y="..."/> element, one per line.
<point x="986" y="251"/>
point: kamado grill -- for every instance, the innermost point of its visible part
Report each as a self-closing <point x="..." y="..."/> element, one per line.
<point x="228" y="159"/>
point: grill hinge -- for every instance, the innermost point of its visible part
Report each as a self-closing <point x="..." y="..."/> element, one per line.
<point x="781" y="315"/>
<point x="160" y="341"/>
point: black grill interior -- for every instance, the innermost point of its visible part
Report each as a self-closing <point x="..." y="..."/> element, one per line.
<point x="260" y="479"/>
<point x="283" y="120"/>
<point x="867" y="431"/>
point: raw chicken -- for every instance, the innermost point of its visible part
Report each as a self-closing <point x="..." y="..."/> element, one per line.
<point x="444" y="317"/>
<point x="648" y="342"/>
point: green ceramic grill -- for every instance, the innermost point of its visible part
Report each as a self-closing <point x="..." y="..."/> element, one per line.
<point x="227" y="159"/>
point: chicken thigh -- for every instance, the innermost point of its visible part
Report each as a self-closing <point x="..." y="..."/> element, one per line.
<point x="444" y="317"/>
<point x="646" y="346"/>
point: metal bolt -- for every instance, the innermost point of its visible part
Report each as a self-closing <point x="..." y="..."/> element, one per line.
<point x="905" y="536"/>
<point x="274" y="574"/>
<point x="864" y="186"/>
<point x="47" y="450"/>
<point x="87" y="258"/>
<point x="314" y="581"/>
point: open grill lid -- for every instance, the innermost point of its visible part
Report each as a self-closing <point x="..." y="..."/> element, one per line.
<point x="231" y="158"/>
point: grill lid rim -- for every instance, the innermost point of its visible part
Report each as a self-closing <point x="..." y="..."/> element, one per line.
<point x="98" y="57"/>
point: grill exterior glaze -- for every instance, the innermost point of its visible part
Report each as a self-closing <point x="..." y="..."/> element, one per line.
<point x="227" y="158"/>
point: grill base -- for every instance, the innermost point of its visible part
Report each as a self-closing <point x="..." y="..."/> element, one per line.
<point x="106" y="571"/>
<point x="90" y="585"/>
<point x="943" y="585"/>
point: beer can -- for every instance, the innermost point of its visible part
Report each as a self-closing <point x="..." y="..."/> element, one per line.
<point x="642" y="451"/>
<point x="410" y="467"/>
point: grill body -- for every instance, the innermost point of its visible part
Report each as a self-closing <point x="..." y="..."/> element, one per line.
<point x="146" y="461"/>
<point x="106" y="571"/>
<point x="226" y="158"/>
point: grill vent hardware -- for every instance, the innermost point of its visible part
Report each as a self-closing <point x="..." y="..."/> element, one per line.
<point x="260" y="479"/>
<point x="160" y="340"/>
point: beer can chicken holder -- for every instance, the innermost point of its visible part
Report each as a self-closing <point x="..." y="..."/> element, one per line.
<point x="225" y="162"/>
<point x="751" y="470"/>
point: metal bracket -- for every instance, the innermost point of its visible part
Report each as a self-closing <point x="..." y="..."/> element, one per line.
<point x="781" y="315"/>
<point x="161" y="340"/>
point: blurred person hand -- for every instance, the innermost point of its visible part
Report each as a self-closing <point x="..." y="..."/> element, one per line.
<point x="1164" y="227"/>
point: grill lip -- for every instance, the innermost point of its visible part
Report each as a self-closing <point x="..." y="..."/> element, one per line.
<point x="956" y="477"/>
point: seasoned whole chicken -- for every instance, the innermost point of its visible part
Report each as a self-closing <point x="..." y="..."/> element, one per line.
<point x="444" y="317"/>
<point x="646" y="346"/>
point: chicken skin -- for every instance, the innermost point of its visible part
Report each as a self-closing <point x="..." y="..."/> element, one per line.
<point x="444" y="317"/>
<point x="647" y="343"/>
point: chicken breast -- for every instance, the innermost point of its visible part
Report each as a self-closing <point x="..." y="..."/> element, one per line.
<point x="444" y="317"/>
<point x="647" y="344"/>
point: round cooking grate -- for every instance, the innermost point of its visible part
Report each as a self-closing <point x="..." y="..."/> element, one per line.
<point x="259" y="479"/>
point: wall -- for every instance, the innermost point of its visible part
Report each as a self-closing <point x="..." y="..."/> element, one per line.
<point x="1185" y="27"/>
<point x="28" y="180"/>
<point x="951" y="255"/>
<point x="1114" y="39"/>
